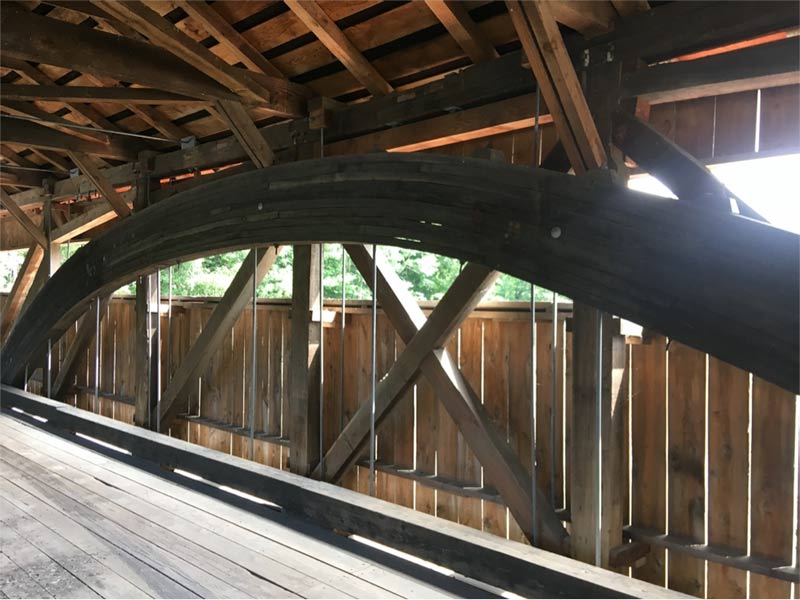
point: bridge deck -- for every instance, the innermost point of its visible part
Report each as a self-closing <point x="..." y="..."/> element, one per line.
<point x="79" y="523"/>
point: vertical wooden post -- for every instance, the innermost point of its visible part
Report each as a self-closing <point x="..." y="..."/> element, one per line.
<point x="147" y="345"/>
<point x="304" y="360"/>
<point x="50" y="264"/>
<point x="599" y="383"/>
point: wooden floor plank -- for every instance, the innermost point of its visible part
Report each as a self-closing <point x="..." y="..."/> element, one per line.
<point x="187" y="574"/>
<point x="41" y="568"/>
<point x="97" y="576"/>
<point x="201" y="529"/>
<point x="124" y="564"/>
<point x="284" y="531"/>
<point x="16" y="583"/>
<point x="253" y="551"/>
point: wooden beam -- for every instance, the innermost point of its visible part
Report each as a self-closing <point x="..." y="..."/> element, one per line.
<point x="500" y="117"/>
<point x="682" y="173"/>
<point x="327" y="31"/>
<point x="626" y="8"/>
<point x="752" y="68"/>
<point x="464" y="406"/>
<point x="83" y="93"/>
<point x="22" y="285"/>
<point x="589" y="17"/>
<point x="456" y="19"/>
<point x="92" y="218"/>
<point x="31" y="73"/>
<point x="441" y="204"/>
<point x="27" y="133"/>
<point x="565" y="81"/>
<point x="548" y="91"/>
<point x="276" y="94"/>
<point x="216" y="25"/>
<point x="217" y="327"/>
<point x="86" y="331"/>
<point x="246" y="132"/>
<point x="23" y="219"/>
<point x="11" y="156"/>
<point x="101" y="53"/>
<point x="306" y="336"/>
<point x="455" y="306"/>
<point x="28" y="109"/>
<point x="103" y="186"/>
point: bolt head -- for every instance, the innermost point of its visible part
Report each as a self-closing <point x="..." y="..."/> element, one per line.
<point x="555" y="232"/>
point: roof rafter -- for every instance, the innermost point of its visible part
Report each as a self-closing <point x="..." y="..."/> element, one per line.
<point x="327" y="31"/>
<point x="278" y="95"/>
<point x="454" y="16"/>
<point x="216" y="25"/>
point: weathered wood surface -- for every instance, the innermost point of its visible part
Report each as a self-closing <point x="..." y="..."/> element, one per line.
<point x="527" y="571"/>
<point x="118" y="531"/>
<point x="694" y="276"/>
<point x="758" y="67"/>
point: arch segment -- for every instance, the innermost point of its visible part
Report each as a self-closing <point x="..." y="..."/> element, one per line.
<point x="723" y="284"/>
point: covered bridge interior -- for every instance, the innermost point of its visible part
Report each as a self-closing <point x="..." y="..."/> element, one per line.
<point x="627" y="426"/>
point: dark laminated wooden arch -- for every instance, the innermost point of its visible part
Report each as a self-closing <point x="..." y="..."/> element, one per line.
<point x="721" y="283"/>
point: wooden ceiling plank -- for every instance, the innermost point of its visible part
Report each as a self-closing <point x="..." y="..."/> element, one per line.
<point x="23" y="219"/>
<point x="216" y="25"/>
<point x="327" y="31"/>
<point x="78" y="93"/>
<point x="102" y="184"/>
<point x="455" y="18"/>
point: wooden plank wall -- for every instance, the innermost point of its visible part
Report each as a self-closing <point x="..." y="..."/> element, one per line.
<point x="704" y="435"/>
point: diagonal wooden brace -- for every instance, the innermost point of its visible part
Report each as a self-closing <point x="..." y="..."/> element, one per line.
<point x="490" y="447"/>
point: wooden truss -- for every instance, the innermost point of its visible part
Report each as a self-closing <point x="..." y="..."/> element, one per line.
<point x="580" y="231"/>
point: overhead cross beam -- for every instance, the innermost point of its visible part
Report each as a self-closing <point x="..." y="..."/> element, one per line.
<point x="313" y="16"/>
<point x="30" y="110"/>
<point x="459" y="24"/>
<point x="256" y="264"/>
<point x="31" y="73"/>
<point x="74" y="93"/>
<point x="275" y="94"/>
<point x="101" y="53"/>
<point x="28" y="133"/>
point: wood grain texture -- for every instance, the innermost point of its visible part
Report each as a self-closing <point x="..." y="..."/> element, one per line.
<point x="462" y="217"/>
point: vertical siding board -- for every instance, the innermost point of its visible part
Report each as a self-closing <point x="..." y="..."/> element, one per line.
<point x="686" y="420"/>
<point x="728" y="422"/>
<point x="648" y="440"/>
<point x="772" y="493"/>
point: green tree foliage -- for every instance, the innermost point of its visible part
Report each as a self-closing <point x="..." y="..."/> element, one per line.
<point x="426" y="276"/>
